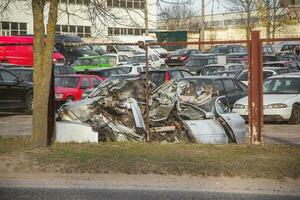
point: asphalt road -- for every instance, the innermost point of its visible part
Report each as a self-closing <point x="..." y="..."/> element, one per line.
<point x="82" y="194"/>
<point x="20" y="125"/>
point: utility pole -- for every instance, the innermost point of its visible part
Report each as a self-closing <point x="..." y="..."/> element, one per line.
<point x="146" y="17"/>
<point x="202" y="21"/>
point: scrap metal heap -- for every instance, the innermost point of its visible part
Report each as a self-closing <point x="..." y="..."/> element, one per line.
<point x="117" y="111"/>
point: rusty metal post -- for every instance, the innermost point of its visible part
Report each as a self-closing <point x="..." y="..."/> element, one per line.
<point x="255" y="100"/>
<point x="147" y="95"/>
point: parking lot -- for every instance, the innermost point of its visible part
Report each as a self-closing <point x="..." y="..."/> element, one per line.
<point x="12" y="125"/>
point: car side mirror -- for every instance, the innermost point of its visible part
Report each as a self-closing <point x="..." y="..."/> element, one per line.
<point x="210" y="115"/>
<point x="19" y="80"/>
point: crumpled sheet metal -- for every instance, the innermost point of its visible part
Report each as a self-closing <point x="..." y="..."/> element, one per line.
<point x="117" y="113"/>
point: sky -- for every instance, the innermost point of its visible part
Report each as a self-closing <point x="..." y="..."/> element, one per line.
<point x="219" y="6"/>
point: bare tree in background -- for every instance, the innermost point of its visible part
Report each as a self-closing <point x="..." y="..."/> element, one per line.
<point x="178" y="15"/>
<point x="274" y="16"/>
<point x="246" y="9"/>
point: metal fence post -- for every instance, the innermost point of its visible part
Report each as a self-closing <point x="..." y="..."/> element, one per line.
<point x="147" y="95"/>
<point x="255" y="100"/>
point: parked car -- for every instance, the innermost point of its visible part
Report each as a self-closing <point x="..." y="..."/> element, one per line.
<point x="70" y="87"/>
<point x="153" y="59"/>
<point x="72" y="47"/>
<point x="21" y="54"/>
<point x="16" y="93"/>
<point x="227" y="49"/>
<point x="160" y="51"/>
<point x="290" y="47"/>
<point x="241" y="58"/>
<point x="98" y="49"/>
<point x="117" y="58"/>
<point x="210" y="69"/>
<point x="25" y="73"/>
<point x="63" y="69"/>
<point x="103" y="73"/>
<point x="197" y="62"/>
<point x="223" y="86"/>
<point x="158" y="77"/>
<point x="268" y="49"/>
<point x="267" y="72"/>
<point x="281" y="99"/>
<point x="287" y="64"/>
<point x="229" y="73"/>
<point x="180" y="57"/>
<point x="89" y="93"/>
<point x="90" y="62"/>
<point x="124" y="49"/>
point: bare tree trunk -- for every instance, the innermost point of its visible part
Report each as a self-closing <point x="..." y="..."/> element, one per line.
<point x="42" y="49"/>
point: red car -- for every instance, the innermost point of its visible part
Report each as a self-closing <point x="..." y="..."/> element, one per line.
<point x="18" y="50"/>
<point x="70" y="87"/>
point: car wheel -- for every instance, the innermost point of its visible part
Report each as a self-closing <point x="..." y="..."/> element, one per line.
<point x="29" y="104"/>
<point x="295" y="117"/>
<point x="69" y="99"/>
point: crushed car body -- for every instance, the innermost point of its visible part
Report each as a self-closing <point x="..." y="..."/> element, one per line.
<point x="178" y="112"/>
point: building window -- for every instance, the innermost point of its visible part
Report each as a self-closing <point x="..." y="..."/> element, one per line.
<point x="82" y="31"/>
<point x="13" y="28"/>
<point x="77" y="2"/>
<point x="137" y="4"/>
<point x="125" y="31"/>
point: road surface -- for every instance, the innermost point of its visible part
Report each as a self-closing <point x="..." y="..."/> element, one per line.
<point x="111" y="194"/>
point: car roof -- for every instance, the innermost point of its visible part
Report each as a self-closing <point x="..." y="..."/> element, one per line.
<point x="101" y="69"/>
<point x="288" y="75"/>
<point x="20" y="68"/>
<point x="277" y="62"/>
<point x="88" y="57"/>
<point x="76" y="75"/>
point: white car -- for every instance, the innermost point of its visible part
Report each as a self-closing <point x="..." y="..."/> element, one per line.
<point x="281" y="99"/>
<point x="154" y="61"/>
<point x="159" y="50"/>
<point x="267" y="72"/>
<point x="117" y="58"/>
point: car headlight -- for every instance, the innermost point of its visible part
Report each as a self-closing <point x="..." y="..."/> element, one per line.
<point x="59" y="96"/>
<point x="240" y="106"/>
<point x="276" y="105"/>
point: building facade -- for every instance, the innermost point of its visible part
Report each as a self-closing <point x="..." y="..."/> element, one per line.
<point x="85" y="19"/>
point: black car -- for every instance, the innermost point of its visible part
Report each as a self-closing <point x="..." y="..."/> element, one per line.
<point x="103" y="72"/>
<point x="72" y="47"/>
<point x="15" y="93"/>
<point x="98" y="49"/>
<point x="227" y="49"/>
<point x="197" y="62"/>
<point x="180" y="57"/>
<point x="158" y="77"/>
<point x="223" y="86"/>
<point x="25" y="73"/>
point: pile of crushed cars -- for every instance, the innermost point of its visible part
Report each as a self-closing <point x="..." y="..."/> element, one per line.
<point x="177" y="113"/>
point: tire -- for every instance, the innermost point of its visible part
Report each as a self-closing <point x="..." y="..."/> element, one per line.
<point x="29" y="104"/>
<point x="295" y="116"/>
<point x="69" y="99"/>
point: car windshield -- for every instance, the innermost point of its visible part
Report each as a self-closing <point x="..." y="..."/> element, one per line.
<point x="69" y="82"/>
<point x="136" y="59"/>
<point x="282" y="86"/>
